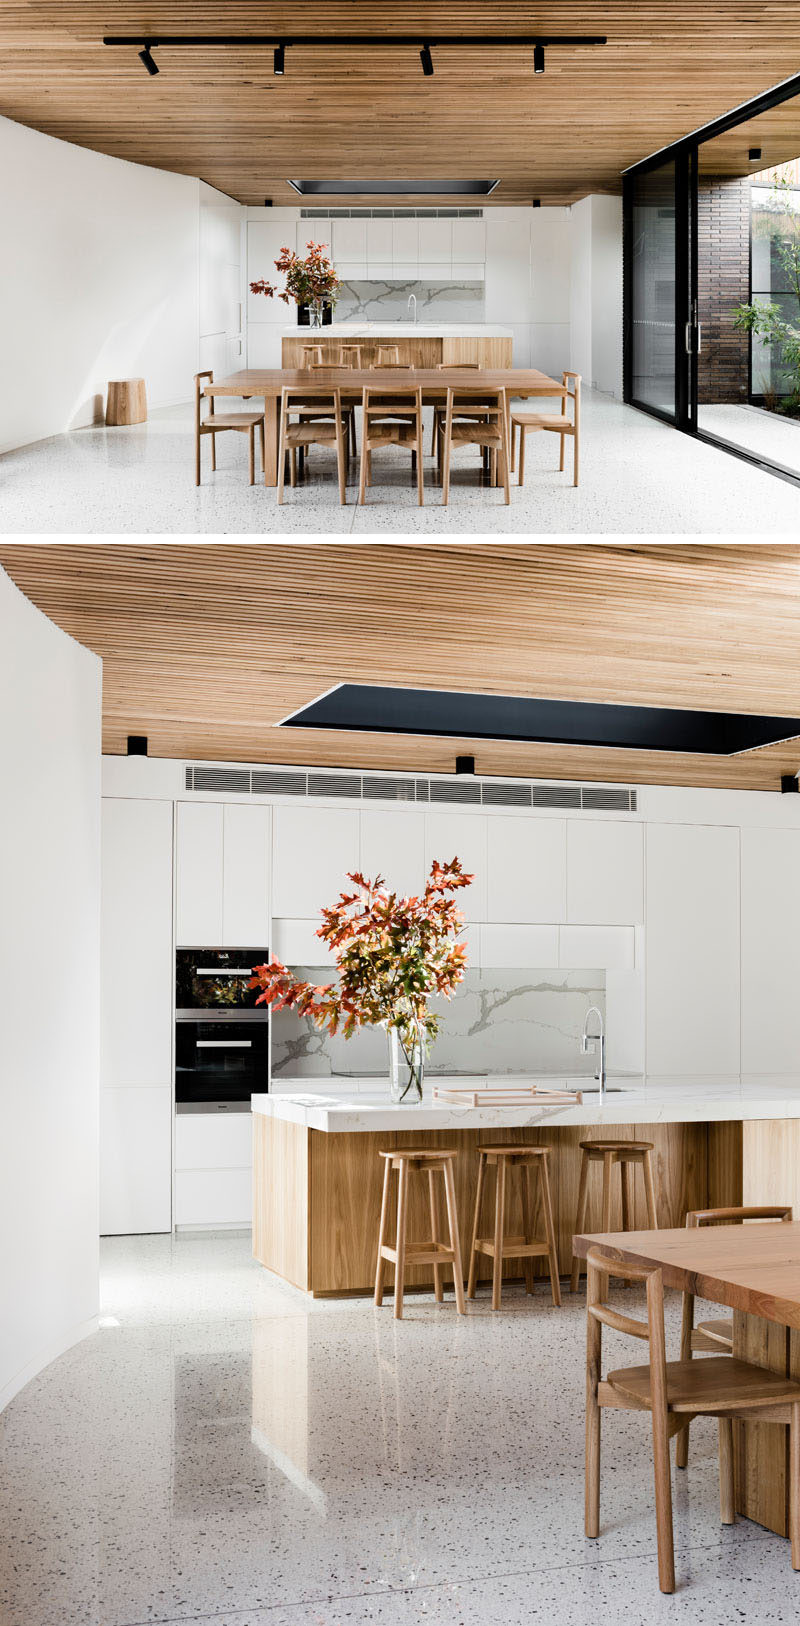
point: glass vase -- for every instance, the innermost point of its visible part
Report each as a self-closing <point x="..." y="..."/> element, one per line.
<point x="406" y="1063"/>
<point x="316" y="309"/>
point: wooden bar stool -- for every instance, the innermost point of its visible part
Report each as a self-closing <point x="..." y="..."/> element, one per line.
<point x="624" y="1153"/>
<point x="499" y="1246"/>
<point x="423" y="1160"/>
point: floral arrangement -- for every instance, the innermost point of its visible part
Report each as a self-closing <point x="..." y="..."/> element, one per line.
<point x="393" y="954"/>
<point x="308" y="282"/>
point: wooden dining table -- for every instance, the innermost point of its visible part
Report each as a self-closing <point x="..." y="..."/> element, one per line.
<point x="255" y="382"/>
<point x="755" y="1270"/>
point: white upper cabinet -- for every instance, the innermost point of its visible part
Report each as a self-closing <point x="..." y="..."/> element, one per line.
<point x="393" y="845"/>
<point x="770" y="951"/>
<point x="199" y="849"/>
<point x="469" y="240"/>
<point x="379" y="244"/>
<point x="349" y="240"/>
<point x="136" y="926"/>
<point x="245" y="876"/>
<point x="405" y="241"/>
<point x="526" y="869"/>
<point x="605" y="872"/>
<point x="265" y="239"/>
<point x="223" y="856"/>
<point x="314" y="849"/>
<point x="460" y="835"/>
<point x="692" y="949"/>
<point x="435" y="239"/>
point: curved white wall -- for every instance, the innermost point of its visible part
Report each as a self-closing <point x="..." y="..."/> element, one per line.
<point x="50" y="749"/>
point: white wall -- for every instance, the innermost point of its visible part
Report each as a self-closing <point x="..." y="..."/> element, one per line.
<point x="49" y="979"/>
<point x="596" y="292"/>
<point x="100" y="281"/>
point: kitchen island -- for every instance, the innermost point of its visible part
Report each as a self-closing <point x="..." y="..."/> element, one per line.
<point x="317" y="1172"/>
<point x="423" y="344"/>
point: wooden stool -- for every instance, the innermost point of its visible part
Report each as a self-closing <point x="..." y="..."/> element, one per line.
<point x="435" y="1252"/>
<point x="126" y="401"/>
<point x="500" y="1246"/>
<point x="609" y="1152"/>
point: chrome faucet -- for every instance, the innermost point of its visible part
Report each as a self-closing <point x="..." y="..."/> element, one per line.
<point x="412" y="298"/>
<point x="588" y="1042"/>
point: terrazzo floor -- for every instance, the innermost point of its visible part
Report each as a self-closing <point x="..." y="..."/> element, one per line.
<point x="637" y="477"/>
<point x="224" y="1451"/>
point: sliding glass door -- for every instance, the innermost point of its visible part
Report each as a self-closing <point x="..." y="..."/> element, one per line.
<point x="652" y="281"/>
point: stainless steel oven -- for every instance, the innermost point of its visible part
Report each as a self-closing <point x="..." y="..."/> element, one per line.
<point x="221" y="1037"/>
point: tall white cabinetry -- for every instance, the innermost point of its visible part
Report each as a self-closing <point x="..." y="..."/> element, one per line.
<point x="222" y="885"/>
<point x="136" y="1017"/>
<point x="692" y="950"/>
<point x="770" y="951"/>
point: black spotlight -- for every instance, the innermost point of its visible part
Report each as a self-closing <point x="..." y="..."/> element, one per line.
<point x="137" y="745"/>
<point x="148" y="60"/>
<point x="538" y="59"/>
<point x="789" y="784"/>
<point x="754" y="154"/>
<point x="427" y="61"/>
<point x="537" y="203"/>
<point x="465" y="764"/>
<point x="278" y="61"/>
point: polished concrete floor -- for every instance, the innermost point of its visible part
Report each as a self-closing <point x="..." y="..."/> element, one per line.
<point x="224" y="1451"/>
<point x="766" y="434"/>
<point x="638" y="477"/>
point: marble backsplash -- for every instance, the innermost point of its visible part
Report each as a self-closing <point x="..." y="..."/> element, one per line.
<point x="498" y="1022"/>
<point x="436" y="301"/>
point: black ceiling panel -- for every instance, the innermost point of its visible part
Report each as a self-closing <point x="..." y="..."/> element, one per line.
<point x="373" y="708"/>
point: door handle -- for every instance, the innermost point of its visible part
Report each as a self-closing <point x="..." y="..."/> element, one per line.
<point x="224" y="1044"/>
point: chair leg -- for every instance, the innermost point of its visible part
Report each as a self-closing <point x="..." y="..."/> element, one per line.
<point x="608" y="1164"/>
<point x="251" y="449"/>
<point x="663" y="1489"/>
<point x="650" y="1191"/>
<point x="452" y="1220"/>
<point x="550" y="1231"/>
<point x="794" y="1486"/>
<point x="562" y="439"/>
<point x="437" y="1269"/>
<point x="499" y="1233"/>
<point x="446" y="454"/>
<point x="420" y="470"/>
<point x="380" y="1268"/>
<point x="727" y="1509"/>
<point x="575" y="456"/>
<point x="514" y="428"/>
<point x="493" y="466"/>
<point x="341" y="462"/>
<point x="362" y="484"/>
<point x="687" y="1322"/>
<point x="293" y="467"/>
<point x="592" y="1491"/>
<point x="580" y="1220"/>
<point x="400" y="1244"/>
<point x="214" y="451"/>
<point x="281" y="456"/>
<point x="197" y="439"/>
<point x="527" y="1228"/>
<point x="522" y="439"/>
<point x="473" y="1257"/>
<point x="504" y="458"/>
<point x="626" y="1181"/>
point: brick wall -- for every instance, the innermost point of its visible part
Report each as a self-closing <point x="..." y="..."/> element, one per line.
<point x="723" y="281"/>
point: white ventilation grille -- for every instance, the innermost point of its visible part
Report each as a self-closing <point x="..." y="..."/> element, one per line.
<point x="454" y="790"/>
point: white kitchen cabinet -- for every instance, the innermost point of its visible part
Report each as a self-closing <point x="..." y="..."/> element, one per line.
<point x="245" y="876"/>
<point x="463" y="836"/>
<point x="379" y="244"/>
<point x="393" y="845"/>
<point x="223" y="861"/>
<point x="770" y="950"/>
<point x="136" y="935"/>
<point x="213" y="1140"/>
<point x="511" y="947"/>
<point x="605" y="872"/>
<point x="135" y="1160"/>
<point x="692" y="949"/>
<point x="468" y="271"/>
<point x="212" y="1197"/>
<point x="265" y="239"/>
<point x="313" y="231"/>
<point x="469" y="239"/>
<point x="352" y="270"/>
<point x="508" y="269"/>
<point x="436" y="239"/>
<point x="610" y="948"/>
<point x="295" y="942"/>
<point x="199" y="857"/>
<point x="405" y="243"/>
<point x="349" y="240"/>
<point x="314" y="849"/>
<point x="526" y="869"/>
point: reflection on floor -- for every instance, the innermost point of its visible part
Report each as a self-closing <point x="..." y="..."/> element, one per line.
<point x="637" y="476"/>
<point x="224" y="1451"/>
<point x="767" y="434"/>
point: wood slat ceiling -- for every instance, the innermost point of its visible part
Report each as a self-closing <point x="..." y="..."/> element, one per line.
<point x="206" y="646"/>
<point x="222" y="114"/>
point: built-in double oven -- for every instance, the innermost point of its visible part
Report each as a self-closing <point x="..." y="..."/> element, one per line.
<point x="221" y="1036"/>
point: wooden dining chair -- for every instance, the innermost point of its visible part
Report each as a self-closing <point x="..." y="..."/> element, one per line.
<point x="303" y="404"/>
<point x="560" y="423"/>
<point x="391" y="419"/>
<point x="312" y="355"/>
<point x="713" y="1337"/>
<point x="674" y="1392"/>
<point x="388" y="355"/>
<point x="476" y="418"/>
<point x="215" y="423"/>
<point x="438" y="411"/>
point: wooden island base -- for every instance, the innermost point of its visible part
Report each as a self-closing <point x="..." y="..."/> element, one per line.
<point x="317" y="1196"/>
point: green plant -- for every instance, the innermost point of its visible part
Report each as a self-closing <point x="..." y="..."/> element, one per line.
<point x="779" y="222"/>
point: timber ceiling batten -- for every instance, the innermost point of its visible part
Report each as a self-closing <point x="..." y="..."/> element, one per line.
<point x="666" y="69"/>
<point x="206" y="648"/>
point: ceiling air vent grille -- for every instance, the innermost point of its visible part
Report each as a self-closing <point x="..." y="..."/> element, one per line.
<point x="334" y="784"/>
<point x="383" y="788"/>
<point x="423" y="790"/>
<point x="508" y="795"/>
<point x="222" y="779"/>
<point x="271" y="782"/>
<point x="596" y="797"/>
<point x="459" y="790"/>
<point x="567" y="796"/>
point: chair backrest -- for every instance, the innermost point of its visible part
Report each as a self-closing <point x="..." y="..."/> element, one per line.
<point x="350" y="355"/>
<point x="311" y="356"/>
<point x="381" y="403"/>
<point x="575" y="393"/>
<point x="599" y="1314"/>
<point x="388" y="356"/>
<point x="199" y="397"/>
<point x="475" y="403"/>
<point x="294" y="397"/>
<point x="458" y="367"/>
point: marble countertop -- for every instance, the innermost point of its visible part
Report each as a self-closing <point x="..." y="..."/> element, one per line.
<point x="405" y="330"/>
<point x="348" y="1106"/>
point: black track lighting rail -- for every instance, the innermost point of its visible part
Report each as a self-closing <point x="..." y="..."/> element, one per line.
<point x="379" y="41"/>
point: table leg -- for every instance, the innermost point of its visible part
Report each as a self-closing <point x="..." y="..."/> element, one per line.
<point x="271" y="412"/>
<point x="761" y="1450"/>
